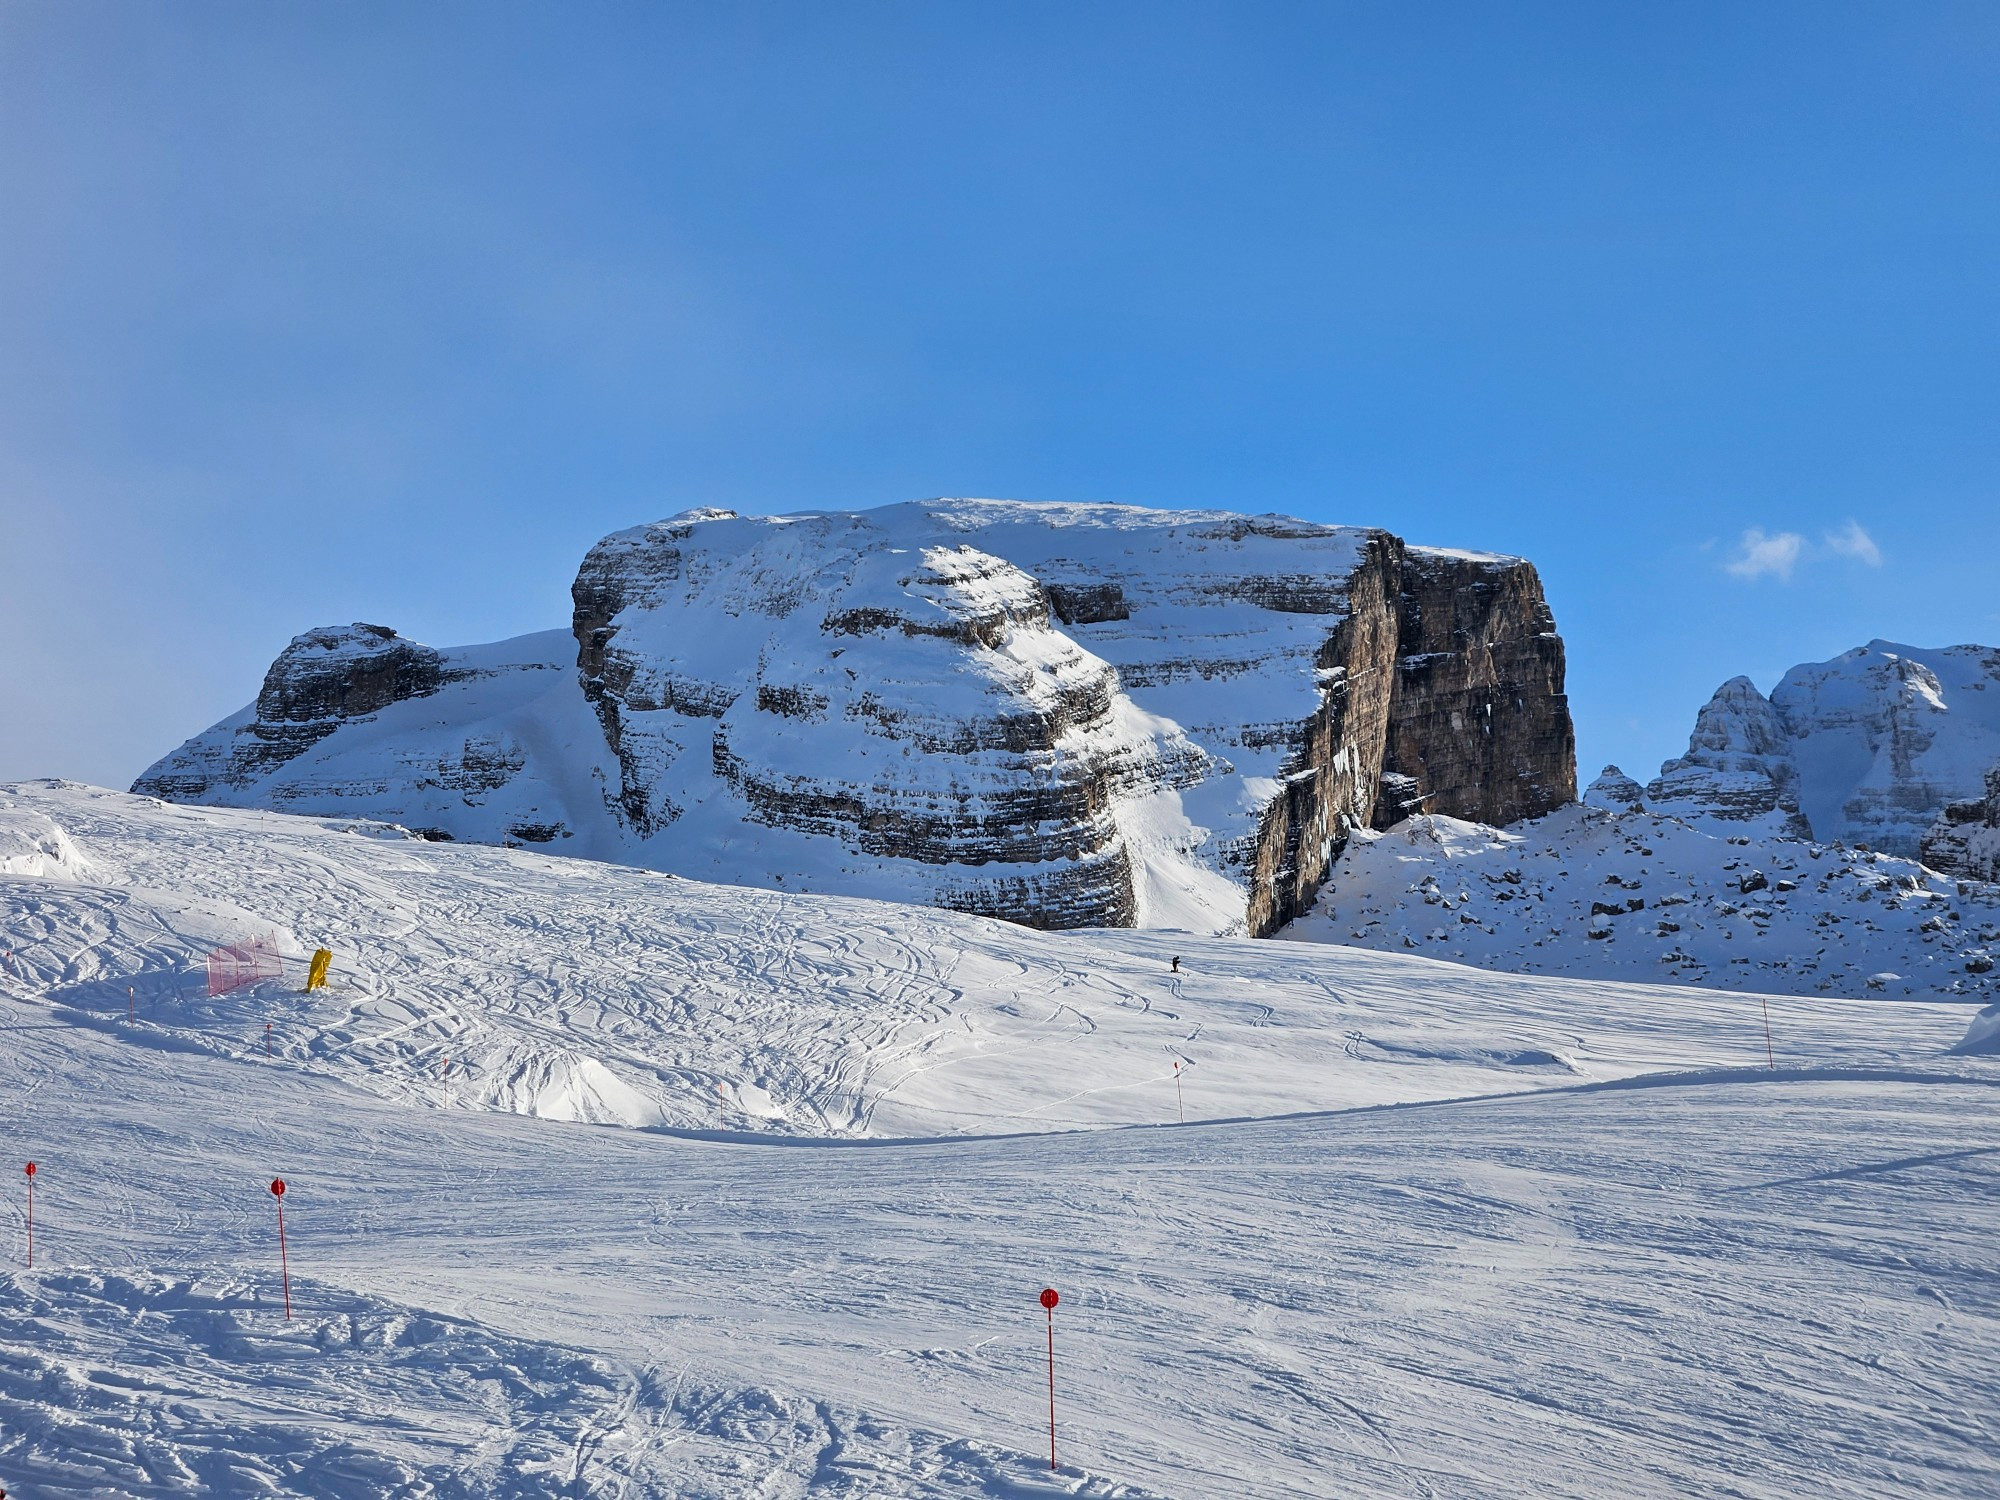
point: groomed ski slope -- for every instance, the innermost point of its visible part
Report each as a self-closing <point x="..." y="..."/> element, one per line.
<point x="592" y="992"/>
<point x="1598" y="1279"/>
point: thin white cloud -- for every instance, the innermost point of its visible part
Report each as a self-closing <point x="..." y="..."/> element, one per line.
<point x="1852" y="541"/>
<point x="1779" y="554"/>
<point x="1758" y="554"/>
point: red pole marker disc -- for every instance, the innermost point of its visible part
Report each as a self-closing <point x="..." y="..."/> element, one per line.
<point x="1049" y="1301"/>
<point x="284" y="1263"/>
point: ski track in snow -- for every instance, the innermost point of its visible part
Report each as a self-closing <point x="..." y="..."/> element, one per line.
<point x="1637" y="1263"/>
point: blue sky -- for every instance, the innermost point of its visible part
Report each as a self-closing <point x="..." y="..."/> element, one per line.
<point x="312" y="313"/>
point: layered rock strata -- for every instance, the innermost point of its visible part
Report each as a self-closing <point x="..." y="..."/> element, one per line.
<point x="324" y="679"/>
<point x="1739" y="766"/>
<point x="1965" y="840"/>
<point x="1062" y="715"/>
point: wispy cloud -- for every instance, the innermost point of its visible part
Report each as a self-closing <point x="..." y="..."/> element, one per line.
<point x="1778" y="554"/>
<point x="1758" y="554"/>
<point x="1852" y="541"/>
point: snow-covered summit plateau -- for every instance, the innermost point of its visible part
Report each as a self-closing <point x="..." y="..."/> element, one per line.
<point x="1065" y="715"/>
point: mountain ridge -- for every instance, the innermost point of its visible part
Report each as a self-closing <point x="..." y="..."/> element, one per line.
<point x="1064" y="715"/>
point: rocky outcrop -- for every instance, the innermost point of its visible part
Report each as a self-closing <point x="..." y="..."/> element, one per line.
<point x="1965" y="840"/>
<point x="1061" y="715"/>
<point x="1479" y="724"/>
<point x="1443" y="690"/>
<point x="1867" y="748"/>
<point x="1739" y="767"/>
<point x="324" y="679"/>
<point x="1615" y="792"/>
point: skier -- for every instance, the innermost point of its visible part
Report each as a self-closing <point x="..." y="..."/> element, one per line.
<point x="1177" y="964"/>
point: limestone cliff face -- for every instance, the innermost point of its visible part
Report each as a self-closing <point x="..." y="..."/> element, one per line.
<point x="1443" y="692"/>
<point x="1480" y="726"/>
<point x="1269" y="674"/>
<point x="1061" y="715"/>
<point x="1965" y="840"/>
<point x="1330" y="781"/>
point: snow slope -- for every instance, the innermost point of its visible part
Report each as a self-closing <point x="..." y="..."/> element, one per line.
<point x="597" y="993"/>
<point x="1592" y="893"/>
<point x="1596" y="1279"/>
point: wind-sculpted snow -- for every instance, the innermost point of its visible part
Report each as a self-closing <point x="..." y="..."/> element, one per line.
<point x="1766" y="1284"/>
<point x="1064" y="715"/>
<point x="146" y="1385"/>
<point x="1603" y="893"/>
<point x="36" y="846"/>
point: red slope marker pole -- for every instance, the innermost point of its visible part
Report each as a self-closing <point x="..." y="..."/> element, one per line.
<point x="128" y="1003"/>
<point x="444" y="1084"/>
<point x="31" y="1216"/>
<point x="267" y="1038"/>
<point x="1179" y="1098"/>
<point x="284" y="1265"/>
<point x="1770" y="1058"/>
<point x="1049" y="1301"/>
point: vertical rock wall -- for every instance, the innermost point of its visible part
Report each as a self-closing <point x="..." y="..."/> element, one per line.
<point x="1480" y="725"/>
<point x="1332" y="781"/>
<point x="1443" y="693"/>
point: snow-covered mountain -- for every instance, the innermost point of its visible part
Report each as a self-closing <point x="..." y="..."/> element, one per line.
<point x="1867" y="748"/>
<point x="1425" y="1230"/>
<point x="1063" y="715"/>
<point x="1713" y="874"/>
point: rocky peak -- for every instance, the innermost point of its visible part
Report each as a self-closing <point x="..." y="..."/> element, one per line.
<point x="344" y="671"/>
<point x="1866" y="748"/>
<point x="327" y="677"/>
<point x="1738" y="768"/>
<point x="1615" y="792"/>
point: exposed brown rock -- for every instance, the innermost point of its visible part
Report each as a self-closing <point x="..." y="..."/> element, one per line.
<point x="1480" y="723"/>
<point x="1965" y="840"/>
